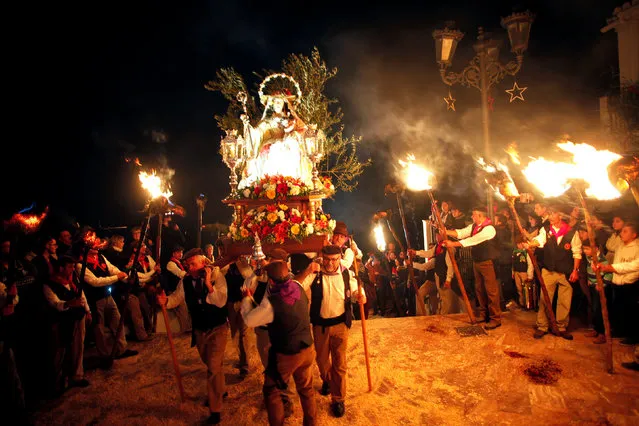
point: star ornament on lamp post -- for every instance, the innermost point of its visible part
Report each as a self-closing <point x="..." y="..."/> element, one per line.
<point x="516" y="92"/>
<point x="450" y="102"/>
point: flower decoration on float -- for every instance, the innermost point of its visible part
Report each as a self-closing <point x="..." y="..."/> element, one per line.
<point x="327" y="185"/>
<point x="274" y="188"/>
<point x="275" y="223"/>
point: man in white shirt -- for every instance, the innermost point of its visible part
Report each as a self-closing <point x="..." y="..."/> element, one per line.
<point x="614" y="240"/>
<point x="170" y="279"/>
<point x="562" y="255"/>
<point x="333" y="290"/>
<point x="99" y="277"/>
<point x="205" y="293"/>
<point x="625" y="280"/>
<point x="480" y="236"/>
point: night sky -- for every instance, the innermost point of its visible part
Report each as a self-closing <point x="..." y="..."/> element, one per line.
<point x="125" y="72"/>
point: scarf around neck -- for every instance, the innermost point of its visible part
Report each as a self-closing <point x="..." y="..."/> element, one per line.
<point x="562" y="231"/>
<point x="478" y="228"/>
<point x="288" y="290"/>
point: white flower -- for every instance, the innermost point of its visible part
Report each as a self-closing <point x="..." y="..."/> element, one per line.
<point x="309" y="228"/>
<point x="249" y="225"/>
<point x="270" y="187"/>
<point x="260" y="216"/>
<point x="246" y="193"/>
<point x="295" y="190"/>
<point x="295" y="212"/>
<point x="331" y="224"/>
<point x="280" y="214"/>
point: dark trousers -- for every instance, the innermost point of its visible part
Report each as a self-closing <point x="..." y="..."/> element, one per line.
<point x="625" y="307"/>
<point x="487" y="291"/>
<point x="595" y="305"/>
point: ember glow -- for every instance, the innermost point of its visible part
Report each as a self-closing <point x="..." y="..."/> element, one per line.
<point x="379" y="238"/>
<point x="415" y="177"/>
<point x="154" y="185"/>
<point x="498" y="177"/>
<point x="588" y="164"/>
<point x="511" y="150"/>
<point x="29" y="222"/>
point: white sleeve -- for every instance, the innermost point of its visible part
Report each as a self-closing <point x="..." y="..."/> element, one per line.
<point x="113" y="270"/>
<point x="258" y="316"/>
<point x="576" y="246"/>
<point x="308" y="281"/>
<point x="53" y="299"/>
<point x="347" y="259"/>
<point x="464" y="232"/>
<point x="530" y="272"/>
<point x="450" y="271"/>
<point x="613" y="242"/>
<point x="426" y="254"/>
<point x="177" y="297"/>
<point x="173" y="268"/>
<point x="541" y="237"/>
<point x="487" y="233"/>
<point x="219" y="295"/>
<point x="94" y="281"/>
<point x="425" y="266"/>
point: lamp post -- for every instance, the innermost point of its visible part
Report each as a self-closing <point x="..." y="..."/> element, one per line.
<point x="484" y="70"/>
<point x="200" y="200"/>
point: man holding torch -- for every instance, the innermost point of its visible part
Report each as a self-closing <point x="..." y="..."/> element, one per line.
<point x="562" y="256"/>
<point x="480" y="236"/>
<point x="205" y="293"/>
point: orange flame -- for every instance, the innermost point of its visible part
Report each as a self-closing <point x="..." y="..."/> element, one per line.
<point x="135" y="161"/>
<point x="154" y="185"/>
<point x="29" y="222"/>
<point x="378" y="231"/>
<point x="415" y="177"/>
<point x="511" y="150"/>
<point x="588" y="165"/>
<point x="498" y="177"/>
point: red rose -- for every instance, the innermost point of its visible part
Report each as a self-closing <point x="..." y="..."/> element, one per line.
<point x="257" y="190"/>
<point x="296" y="219"/>
<point x="567" y="246"/>
<point x="271" y="208"/>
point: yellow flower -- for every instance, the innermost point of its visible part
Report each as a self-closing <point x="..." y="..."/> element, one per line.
<point x="271" y="217"/>
<point x="322" y="217"/>
<point x="295" y="229"/>
<point x="283" y="207"/>
<point x="270" y="194"/>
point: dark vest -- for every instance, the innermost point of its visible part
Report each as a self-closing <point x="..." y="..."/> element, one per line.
<point x="290" y="331"/>
<point x="170" y="281"/>
<point x="317" y="295"/>
<point x="484" y="251"/>
<point x="520" y="262"/>
<point x="440" y="265"/>
<point x="558" y="258"/>
<point x="204" y="316"/>
<point x="94" y="294"/>
<point x="260" y="291"/>
<point x="66" y="295"/>
<point x="234" y="282"/>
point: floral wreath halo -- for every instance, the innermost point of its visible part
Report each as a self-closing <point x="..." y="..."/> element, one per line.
<point x="286" y="94"/>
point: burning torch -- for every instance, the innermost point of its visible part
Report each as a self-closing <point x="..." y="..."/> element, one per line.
<point x="498" y="177"/>
<point x="588" y="174"/>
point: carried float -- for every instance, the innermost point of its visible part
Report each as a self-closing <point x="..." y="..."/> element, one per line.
<point x="276" y="191"/>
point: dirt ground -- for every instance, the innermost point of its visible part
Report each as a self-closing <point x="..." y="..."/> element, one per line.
<point x="424" y="373"/>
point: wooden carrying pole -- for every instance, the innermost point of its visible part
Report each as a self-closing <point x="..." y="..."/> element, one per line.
<point x="176" y="366"/>
<point x="453" y="261"/>
<point x="600" y="285"/>
<point x="363" y="319"/>
<point x="533" y="259"/>
<point x="411" y="271"/>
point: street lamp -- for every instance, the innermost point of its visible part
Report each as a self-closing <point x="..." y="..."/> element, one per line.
<point x="314" y="146"/>
<point x="484" y="70"/>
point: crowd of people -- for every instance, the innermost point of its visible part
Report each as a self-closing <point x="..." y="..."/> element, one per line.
<point x="75" y="291"/>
